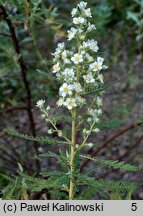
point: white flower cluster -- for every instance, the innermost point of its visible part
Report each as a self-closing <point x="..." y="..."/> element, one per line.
<point x="79" y="69"/>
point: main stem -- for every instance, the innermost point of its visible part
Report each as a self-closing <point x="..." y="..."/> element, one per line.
<point x="72" y="154"/>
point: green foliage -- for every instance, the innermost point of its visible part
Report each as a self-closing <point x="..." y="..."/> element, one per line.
<point x="62" y="158"/>
<point x="87" y="193"/>
<point x="137" y="18"/>
<point x="101" y="87"/>
<point x="119" y="186"/>
<point x="13" y="190"/>
<point x="110" y="124"/>
<point x="60" y="117"/>
<point x="112" y="164"/>
<point x="44" y="140"/>
<point x="100" y="186"/>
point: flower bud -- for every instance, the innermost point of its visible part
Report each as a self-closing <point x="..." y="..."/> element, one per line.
<point x="96" y="130"/>
<point x="60" y="133"/>
<point x="77" y="146"/>
<point x="48" y="108"/>
<point x="50" y="131"/>
<point x="90" y="145"/>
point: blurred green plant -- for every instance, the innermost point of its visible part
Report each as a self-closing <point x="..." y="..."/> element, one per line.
<point x="136" y="15"/>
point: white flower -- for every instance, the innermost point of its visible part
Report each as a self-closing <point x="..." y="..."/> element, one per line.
<point x="40" y="103"/>
<point x="79" y="20"/>
<point x="77" y="58"/>
<point x="61" y="46"/>
<point x="95" y="66"/>
<point x="90" y="27"/>
<point x="67" y="61"/>
<point x="66" y="89"/>
<point x="77" y="87"/>
<point x="60" y="102"/>
<point x="64" y="54"/>
<point x="100" y="60"/>
<point x="93" y="45"/>
<point x="99" y="112"/>
<point x="101" y="78"/>
<point x="82" y="36"/>
<point x="87" y="12"/>
<point x="80" y="100"/>
<point x="89" y="78"/>
<point x="71" y="33"/>
<point x="82" y="5"/>
<point x="69" y="75"/>
<point x="74" y="12"/>
<point x="89" y="119"/>
<point x="91" y="112"/>
<point x="99" y="102"/>
<point x="69" y="72"/>
<point x="70" y="103"/>
<point x="56" y="68"/>
<point x="89" y="57"/>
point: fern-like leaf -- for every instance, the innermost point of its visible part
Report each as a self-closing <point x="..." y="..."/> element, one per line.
<point x="52" y="173"/>
<point x="87" y="193"/>
<point x="113" y="164"/>
<point x="119" y="186"/>
<point x="62" y="158"/>
<point x="110" y="124"/>
<point x="44" y="140"/>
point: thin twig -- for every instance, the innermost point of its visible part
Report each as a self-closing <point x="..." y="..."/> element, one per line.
<point x="24" y="77"/>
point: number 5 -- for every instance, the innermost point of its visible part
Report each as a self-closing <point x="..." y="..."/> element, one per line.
<point x="134" y="206"/>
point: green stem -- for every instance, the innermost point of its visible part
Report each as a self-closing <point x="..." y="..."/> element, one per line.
<point x="72" y="154"/>
<point x="55" y="127"/>
<point x="86" y="138"/>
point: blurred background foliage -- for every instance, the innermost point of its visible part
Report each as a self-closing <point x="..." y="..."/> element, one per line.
<point x="39" y="25"/>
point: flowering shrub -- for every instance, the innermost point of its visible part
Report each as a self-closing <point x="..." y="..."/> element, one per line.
<point x="79" y="70"/>
<point x="80" y="73"/>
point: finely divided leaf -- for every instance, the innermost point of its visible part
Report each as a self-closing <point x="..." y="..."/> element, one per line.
<point x="113" y="164"/>
<point x="44" y="140"/>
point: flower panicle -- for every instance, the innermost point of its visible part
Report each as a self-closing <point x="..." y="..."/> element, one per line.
<point x="79" y="69"/>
